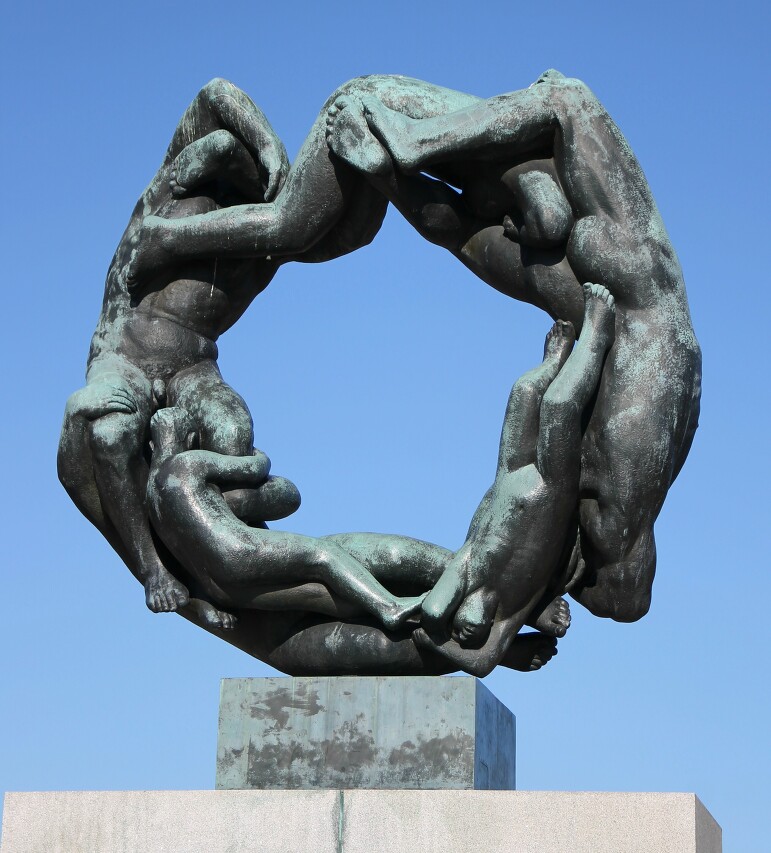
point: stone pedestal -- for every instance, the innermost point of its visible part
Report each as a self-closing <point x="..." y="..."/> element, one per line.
<point x="354" y="732"/>
<point x="340" y="736"/>
<point x="356" y="822"/>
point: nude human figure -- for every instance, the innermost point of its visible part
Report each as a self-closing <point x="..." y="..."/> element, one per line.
<point x="521" y="531"/>
<point x="155" y="342"/>
<point x="531" y="246"/>
<point x="514" y="546"/>
<point x="234" y="563"/>
<point x="241" y="569"/>
<point x="325" y="208"/>
<point x="159" y="348"/>
<point x="549" y="144"/>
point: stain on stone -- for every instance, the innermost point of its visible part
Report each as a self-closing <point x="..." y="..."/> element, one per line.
<point x="449" y="757"/>
<point x="278" y="705"/>
<point x="347" y="758"/>
<point x="227" y="759"/>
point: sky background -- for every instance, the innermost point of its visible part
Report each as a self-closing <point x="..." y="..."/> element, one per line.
<point x="378" y="381"/>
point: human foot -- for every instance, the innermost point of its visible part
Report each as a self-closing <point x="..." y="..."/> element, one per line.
<point x="600" y="313"/>
<point x="210" y="617"/>
<point x="401" y="610"/>
<point x="350" y="138"/>
<point x="395" y="131"/>
<point x="559" y="341"/>
<point x="218" y="154"/>
<point x="529" y="652"/>
<point x="165" y="594"/>
<point x="553" y="620"/>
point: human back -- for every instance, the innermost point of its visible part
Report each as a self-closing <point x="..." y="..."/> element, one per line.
<point x="647" y="404"/>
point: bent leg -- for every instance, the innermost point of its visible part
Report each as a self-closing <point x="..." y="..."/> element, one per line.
<point x="219" y="155"/>
<point x="396" y="560"/>
<point x="521" y="421"/>
<point x="315" y="197"/>
<point x="599" y="172"/>
<point x="75" y="465"/>
<point x="222" y="106"/>
<point x="117" y="441"/>
<point x="224" y="425"/>
<point x="618" y="569"/>
<point x="626" y="472"/>
<point x="219" y="413"/>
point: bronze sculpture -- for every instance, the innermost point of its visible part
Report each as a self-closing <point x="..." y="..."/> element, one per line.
<point x="537" y="193"/>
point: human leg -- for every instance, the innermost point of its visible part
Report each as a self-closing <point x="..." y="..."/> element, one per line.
<point x="397" y="561"/>
<point x="558" y="449"/>
<point x="217" y="155"/>
<point x="555" y="111"/>
<point x="317" y="191"/>
<point x="219" y="414"/>
<point x="199" y="529"/>
<point x="224" y="425"/>
<point x="626" y="473"/>
<point x="111" y="415"/>
<point x="75" y="462"/>
<point x="618" y="569"/>
<point x="222" y="106"/>
<point x="521" y="421"/>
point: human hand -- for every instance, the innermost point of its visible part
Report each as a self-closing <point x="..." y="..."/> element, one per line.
<point x="100" y="398"/>
<point x="274" y="167"/>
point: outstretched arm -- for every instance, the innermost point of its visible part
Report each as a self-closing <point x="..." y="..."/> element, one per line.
<point x="598" y="169"/>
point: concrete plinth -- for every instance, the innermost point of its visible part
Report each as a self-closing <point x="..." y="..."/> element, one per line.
<point x="354" y="732"/>
<point x="356" y="822"/>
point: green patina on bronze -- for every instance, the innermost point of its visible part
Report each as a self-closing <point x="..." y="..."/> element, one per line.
<point x="539" y="195"/>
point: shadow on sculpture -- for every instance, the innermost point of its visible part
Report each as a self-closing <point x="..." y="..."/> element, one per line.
<point x="536" y="192"/>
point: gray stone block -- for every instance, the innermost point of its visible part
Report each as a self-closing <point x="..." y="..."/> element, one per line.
<point x="358" y="732"/>
<point x="171" y="822"/>
<point x="526" y="822"/>
<point x="356" y="822"/>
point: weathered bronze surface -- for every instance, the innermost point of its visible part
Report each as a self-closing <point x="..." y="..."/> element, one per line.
<point x="540" y="196"/>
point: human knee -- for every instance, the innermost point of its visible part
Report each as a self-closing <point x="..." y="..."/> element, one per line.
<point x="613" y="597"/>
<point x="619" y="575"/>
<point x="74" y="406"/>
<point x="232" y="437"/>
<point x="222" y="144"/>
<point x="276" y="498"/>
<point x="548" y="217"/>
<point x="525" y="395"/>
<point x="557" y="406"/>
<point x="116" y="435"/>
<point x="217" y="88"/>
<point x="569" y="98"/>
<point x="367" y="84"/>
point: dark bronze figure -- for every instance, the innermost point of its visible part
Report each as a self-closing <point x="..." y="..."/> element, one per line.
<point x="536" y="192"/>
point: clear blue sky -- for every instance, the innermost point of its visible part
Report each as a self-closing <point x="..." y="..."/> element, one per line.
<point x="378" y="381"/>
